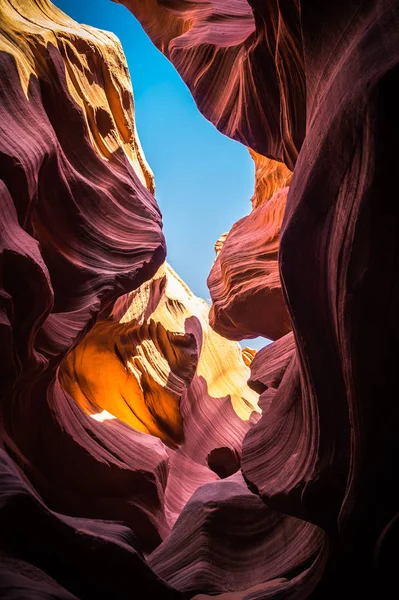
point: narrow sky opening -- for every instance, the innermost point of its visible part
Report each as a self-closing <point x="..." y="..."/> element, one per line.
<point x="204" y="180"/>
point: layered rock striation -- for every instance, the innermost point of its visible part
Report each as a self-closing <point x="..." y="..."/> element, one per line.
<point x="124" y="417"/>
<point x="107" y="396"/>
<point x="247" y="300"/>
<point x="313" y="86"/>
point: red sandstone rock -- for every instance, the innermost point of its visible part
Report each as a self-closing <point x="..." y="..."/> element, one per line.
<point x="73" y="206"/>
<point x="325" y="76"/>
<point x="244" y="281"/>
<point x="244" y="531"/>
<point x="312" y="84"/>
<point x="270" y="363"/>
<point x="252" y="55"/>
<point x="270" y="177"/>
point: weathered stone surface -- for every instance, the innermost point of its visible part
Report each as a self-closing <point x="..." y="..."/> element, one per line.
<point x="244" y="532"/>
<point x="307" y="83"/>
<point x="270" y="177"/>
<point x="270" y="363"/>
<point x="232" y="58"/>
<point x="74" y="203"/>
<point x="136" y="373"/>
<point x="221" y="375"/>
<point x="313" y="85"/>
<point x="244" y="282"/>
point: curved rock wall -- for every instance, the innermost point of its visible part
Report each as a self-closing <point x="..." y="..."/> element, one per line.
<point x="244" y="281"/>
<point x="253" y="54"/>
<point x="79" y="227"/>
<point x="313" y="84"/>
<point x="152" y="504"/>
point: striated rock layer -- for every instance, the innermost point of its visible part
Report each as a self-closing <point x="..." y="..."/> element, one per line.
<point x="244" y="282"/>
<point x="135" y="490"/>
<point x="216" y="406"/>
<point x="79" y="227"/>
<point x="157" y="366"/>
<point x="232" y="58"/>
<point x="91" y="388"/>
<point x="313" y="85"/>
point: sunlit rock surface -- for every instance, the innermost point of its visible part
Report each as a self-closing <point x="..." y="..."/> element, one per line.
<point x="79" y="227"/>
<point x="232" y="58"/>
<point x="244" y="281"/>
<point x="216" y="406"/>
<point x="270" y="177"/>
<point x="312" y="84"/>
<point x="135" y="373"/>
<point x="157" y="366"/>
<point x="102" y="498"/>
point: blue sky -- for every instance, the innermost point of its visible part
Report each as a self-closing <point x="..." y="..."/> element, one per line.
<point x="204" y="180"/>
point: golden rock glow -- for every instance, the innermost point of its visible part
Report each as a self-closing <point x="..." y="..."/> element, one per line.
<point x="220" y="362"/>
<point x="270" y="176"/>
<point x="248" y="354"/>
<point x="104" y="95"/>
<point x="137" y="366"/>
<point x="134" y="372"/>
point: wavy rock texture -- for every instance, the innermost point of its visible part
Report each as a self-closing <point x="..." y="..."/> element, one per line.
<point x="252" y="55"/>
<point x="313" y="85"/>
<point x="137" y="374"/>
<point x="338" y="445"/>
<point x="244" y="532"/>
<point x="270" y="177"/>
<point x="217" y="407"/>
<point x="270" y="364"/>
<point x="309" y="84"/>
<point x="158" y="366"/>
<point x="244" y="282"/>
<point x="79" y="226"/>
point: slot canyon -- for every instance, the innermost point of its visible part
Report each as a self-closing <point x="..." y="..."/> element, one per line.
<point x="145" y="454"/>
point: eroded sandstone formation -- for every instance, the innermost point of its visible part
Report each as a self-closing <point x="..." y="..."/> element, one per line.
<point x="80" y="226"/>
<point x="244" y="282"/>
<point x="254" y="49"/>
<point x="124" y="418"/>
<point x="313" y="84"/>
<point x="157" y="366"/>
<point x="74" y="203"/>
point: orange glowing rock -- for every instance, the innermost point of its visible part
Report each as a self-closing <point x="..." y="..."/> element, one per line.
<point x="136" y="373"/>
<point x="167" y="300"/>
<point x="75" y="199"/>
<point x="270" y="177"/>
<point x="89" y="506"/>
<point x="137" y="369"/>
<point x="248" y="354"/>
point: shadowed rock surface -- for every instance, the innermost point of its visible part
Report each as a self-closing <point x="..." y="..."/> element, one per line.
<point x="244" y="282"/>
<point x="151" y="504"/>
